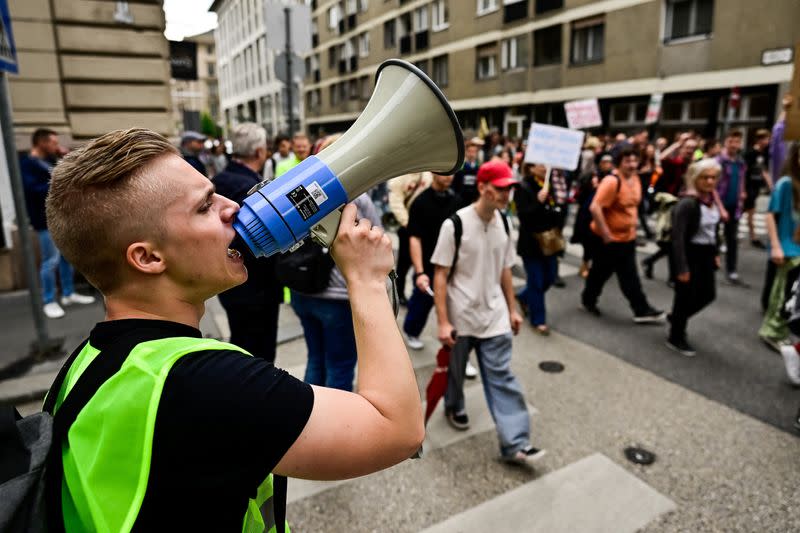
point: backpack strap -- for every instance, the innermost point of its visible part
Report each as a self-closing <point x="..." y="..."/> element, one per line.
<point x="104" y="365"/>
<point x="279" y="491"/>
<point x="504" y="218"/>
<point x="458" y="231"/>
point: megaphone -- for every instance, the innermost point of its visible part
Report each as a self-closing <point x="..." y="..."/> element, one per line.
<point x="407" y="126"/>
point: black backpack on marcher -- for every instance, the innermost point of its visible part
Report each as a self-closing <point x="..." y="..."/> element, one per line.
<point x="305" y="270"/>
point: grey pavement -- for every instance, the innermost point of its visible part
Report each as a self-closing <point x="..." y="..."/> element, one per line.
<point x="722" y="470"/>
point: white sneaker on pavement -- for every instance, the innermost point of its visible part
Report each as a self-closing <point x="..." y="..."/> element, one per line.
<point x="471" y="372"/>
<point x="75" y="298"/>
<point x="53" y="310"/>
<point x="414" y="343"/>
<point x="792" y="361"/>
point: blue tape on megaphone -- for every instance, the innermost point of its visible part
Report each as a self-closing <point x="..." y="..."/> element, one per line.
<point x="282" y="213"/>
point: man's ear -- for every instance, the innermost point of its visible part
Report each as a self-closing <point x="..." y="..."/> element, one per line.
<point x="143" y="257"/>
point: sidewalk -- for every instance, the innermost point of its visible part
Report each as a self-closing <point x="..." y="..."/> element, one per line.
<point x="17" y="332"/>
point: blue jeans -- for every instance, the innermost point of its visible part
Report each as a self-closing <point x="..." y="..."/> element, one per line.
<point x="502" y="390"/>
<point x="419" y="306"/>
<point x="328" y="329"/>
<point x="541" y="273"/>
<point x="52" y="261"/>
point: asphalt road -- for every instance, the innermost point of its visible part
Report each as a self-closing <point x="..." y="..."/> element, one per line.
<point x="732" y="365"/>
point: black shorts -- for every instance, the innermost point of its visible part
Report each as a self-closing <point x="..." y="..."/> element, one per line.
<point x="752" y="191"/>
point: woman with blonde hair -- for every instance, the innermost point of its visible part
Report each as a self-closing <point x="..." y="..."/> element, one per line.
<point x="694" y="250"/>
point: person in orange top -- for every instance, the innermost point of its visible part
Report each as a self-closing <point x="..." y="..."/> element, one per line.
<point x="614" y="212"/>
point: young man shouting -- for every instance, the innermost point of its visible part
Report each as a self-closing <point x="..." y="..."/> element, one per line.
<point x="192" y="423"/>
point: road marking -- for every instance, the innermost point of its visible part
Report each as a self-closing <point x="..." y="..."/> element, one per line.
<point x="592" y="494"/>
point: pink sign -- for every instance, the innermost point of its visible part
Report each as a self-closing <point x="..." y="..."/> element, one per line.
<point x="583" y="114"/>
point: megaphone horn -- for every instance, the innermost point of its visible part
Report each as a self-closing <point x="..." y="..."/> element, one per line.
<point x="407" y="126"/>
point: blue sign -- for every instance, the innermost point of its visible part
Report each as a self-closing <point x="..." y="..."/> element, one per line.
<point x="8" y="52"/>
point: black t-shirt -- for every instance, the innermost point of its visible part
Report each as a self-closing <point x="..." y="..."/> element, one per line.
<point x="224" y="421"/>
<point x="425" y="218"/>
<point x="757" y="161"/>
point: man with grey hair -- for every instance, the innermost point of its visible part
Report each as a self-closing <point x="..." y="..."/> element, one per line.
<point x="253" y="306"/>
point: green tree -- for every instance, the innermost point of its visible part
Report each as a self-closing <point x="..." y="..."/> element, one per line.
<point x="208" y="126"/>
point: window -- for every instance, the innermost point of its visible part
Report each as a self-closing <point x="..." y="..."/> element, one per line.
<point x="390" y="34"/>
<point x="353" y="86"/>
<point x="313" y="100"/>
<point x="440" y="15"/>
<point x="486" y="6"/>
<point x="486" y="62"/>
<point x="334" y="93"/>
<point x="332" y="57"/>
<point x="439" y="73"/>
<point x="334" y="17"/>
<point x="421" y="19"/>
<point x="543" y="6"/>
<point x="513" y="53"/>
<point x="363" y="5"/>
<point x="687" y="18"/>
<point x="352" y="7"/>
<point x="210" y="49"/>
<point x="366" y="88"/>
<point x="514" y="10"/>
<point x="628" y="114"/>
<point x="588" y="37"/>
<point x="547" y="46"/>
<point x="363" y="44"/>
<point x="212" y="70"/>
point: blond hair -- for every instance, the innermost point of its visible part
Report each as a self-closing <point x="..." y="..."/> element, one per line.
<point x="103" y="197"/>
<point x="697" y="169"/>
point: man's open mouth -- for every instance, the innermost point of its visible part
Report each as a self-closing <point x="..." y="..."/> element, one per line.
<point x="233" y="253"/>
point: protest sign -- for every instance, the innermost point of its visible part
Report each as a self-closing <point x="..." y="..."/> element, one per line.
<point x="654" y="108"/>
<point x="554" y="146"/>
<point x="583" y="114"/>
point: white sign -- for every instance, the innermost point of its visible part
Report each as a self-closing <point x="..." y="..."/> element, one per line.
<point x="554" y="146"/>
<point x="777" y="56"/>
<point x="654" y="108"/>
<point x="583" y="114"/>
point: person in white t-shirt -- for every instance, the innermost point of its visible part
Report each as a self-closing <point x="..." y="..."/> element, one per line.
<point x="475" y="307"/>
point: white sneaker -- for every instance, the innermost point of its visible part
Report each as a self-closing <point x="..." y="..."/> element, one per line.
<point x="76" y="298"/>
<point x="53" y="310"/>
<point x="792" y="361"/>
<point x="471" y="372"/>
<point x="414" y="343"/>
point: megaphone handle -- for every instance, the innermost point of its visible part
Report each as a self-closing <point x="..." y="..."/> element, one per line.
<point x="324" y="234"/>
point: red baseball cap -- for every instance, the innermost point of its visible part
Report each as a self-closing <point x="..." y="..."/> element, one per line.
<point x="498" y="173"/>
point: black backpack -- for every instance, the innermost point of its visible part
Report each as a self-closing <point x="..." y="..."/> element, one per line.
<point x="458" y="231"/>
<point x="306" y="269"/>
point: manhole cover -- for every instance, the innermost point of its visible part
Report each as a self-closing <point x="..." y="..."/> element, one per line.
<point x="551" y="366"/>
<point x="640" y="456"/>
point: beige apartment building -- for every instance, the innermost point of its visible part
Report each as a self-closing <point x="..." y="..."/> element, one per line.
<point x="512" y="62"/>
<point x="89" y="66"/>
<point x="200" y="95"/>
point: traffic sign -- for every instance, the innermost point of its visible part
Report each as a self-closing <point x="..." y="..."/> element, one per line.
<point x="8" y="51"/>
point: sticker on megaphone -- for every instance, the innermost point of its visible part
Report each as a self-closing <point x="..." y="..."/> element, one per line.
<point x="407" y="126"/>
